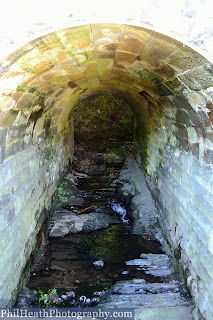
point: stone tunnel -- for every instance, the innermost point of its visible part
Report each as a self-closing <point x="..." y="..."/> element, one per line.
<point x="167" y="83"/>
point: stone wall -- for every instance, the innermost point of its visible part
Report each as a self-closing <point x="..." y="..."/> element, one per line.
<point x="34" y="152"/>
<point x="169" y="86"/>
<point x="176" y="145"/>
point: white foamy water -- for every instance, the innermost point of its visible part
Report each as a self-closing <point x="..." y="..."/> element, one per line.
<point x="117" y="207"/>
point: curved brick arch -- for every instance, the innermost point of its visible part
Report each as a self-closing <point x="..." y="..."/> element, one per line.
<point x="187" y="21"/>
<point x="168" y="85"/>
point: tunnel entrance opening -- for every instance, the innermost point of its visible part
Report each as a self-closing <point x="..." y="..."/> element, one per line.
<point x="169" y="87"/>
<point x="95" y="252"/>
<point x="103" y="123"/>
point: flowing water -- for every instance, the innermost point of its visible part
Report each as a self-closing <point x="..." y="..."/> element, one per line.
<point x="78" y="268"/>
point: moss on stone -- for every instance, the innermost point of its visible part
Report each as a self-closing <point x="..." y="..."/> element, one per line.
<point x="60" y="81"/>
<point x="32" y="89"/>
<point x="21" y="88"/>
<point x="78" y="33"/>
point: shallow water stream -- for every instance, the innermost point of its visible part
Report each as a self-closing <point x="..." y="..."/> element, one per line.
<point x="86" y="264"/>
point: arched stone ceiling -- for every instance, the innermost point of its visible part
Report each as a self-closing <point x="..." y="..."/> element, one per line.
<point x="168" y="85"/>
<point x="189" y="21"/>
<point x="70" y="63"/>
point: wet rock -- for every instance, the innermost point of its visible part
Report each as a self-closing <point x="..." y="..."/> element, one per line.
<point x="135" y="190"/>
<point x="137" y="293"/>
<point x="154" y="264"/>
<point x="105" y="209"/>
<point x="26" y="298"/>
<point x="80" y="175"/>
<point x="125" y="272"/>
<point x="138" y="262"/>
<point x="71" y="178"/>
<point x="99" y="159"/>
<point x="159" y="300"/>
<point x="98" y="293"/>
<point x="144" y="214"/>
<point x="178" y="313"/>
<point x="95" y="300"/>
<point x="98" y="264"/>
<point x="159" y="237"/>
<point x="64" y="224"/>
<point x="82" y="299"/>
<point x="70" y="294"/>
<point x="157" y="259"/>
<point x="145" y="287"/>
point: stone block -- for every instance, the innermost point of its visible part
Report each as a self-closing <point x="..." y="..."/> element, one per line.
<point x="180" y="102"/>
<point x="2" y="153"/>
<point x="9" y="252"/>
<point x="41" y="135"/>
<point x="211" y="241"/>
<point x="4" y="200"/>
<point x="192" y="135"/>
<point x="104" y="67"/>
<point x="7" y="103"/>
<point x="183" y="117"/>
<point x="5" y="239"/>
<point x="79" y="37"/>
<point x="200" y="118"/>
<point x="204" y="207"/>
<point x="195" y="150"/>
<point x="198" y="78"/>
<point x="151" y="52"/>
<point x="14" y="147"/>
<point x="201" y="226"/>
<point x="5" y="273"/>
<point x="196" y="100"/>
<point x="9" y="214"/>
<point x="41" y="66"/>
<point x="132" y="39"/>
<point x="208" y="156"/>
<point x="14" y="134"/>
<point x="105" y="40"/>
<point x="183" y="144"/>
<point x="25" y="102"/>
<point x="182" y="131"/>
<point x="22" y="119"/>
<point x="7" y="118"/>
<point x="176" y="86"/>
<point x="39" y="124"/>
<point x="185" y="58"/>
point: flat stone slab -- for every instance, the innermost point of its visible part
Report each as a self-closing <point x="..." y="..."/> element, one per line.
<point x="63" y="223"/>
<point x="155" y="264"/>
<point x="132" y="288"/>
<point x="158" y="300"/>
<point x="150" y="300"/>
<point x="178" y="313"/>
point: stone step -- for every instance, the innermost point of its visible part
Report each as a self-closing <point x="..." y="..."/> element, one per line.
<point x="155" y="264"/>
<point x="132" y="288"/>
<point x="178" y="313"/>
<point x="138" y="293"/>
<point x="158" y="300"/>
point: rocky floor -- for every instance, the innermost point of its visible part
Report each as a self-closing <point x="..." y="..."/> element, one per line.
<point x="104" y="247"/>
<point x="151" y="300"/>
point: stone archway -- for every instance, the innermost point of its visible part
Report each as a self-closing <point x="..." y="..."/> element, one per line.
<point x="169" y="87"/>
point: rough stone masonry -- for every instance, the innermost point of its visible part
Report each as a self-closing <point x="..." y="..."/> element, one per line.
<point x="169" y="87"/>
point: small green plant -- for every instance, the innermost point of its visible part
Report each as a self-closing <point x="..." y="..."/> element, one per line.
<point x="48" y="298"/>
<point x="75" y="211"/>
<point x="112" y="175"/>
<point x="125" y="194"/>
